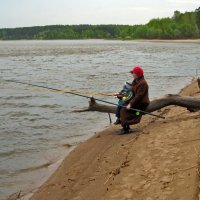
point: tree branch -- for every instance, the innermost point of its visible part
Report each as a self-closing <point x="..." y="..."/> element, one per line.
<point x="191" y="103"/>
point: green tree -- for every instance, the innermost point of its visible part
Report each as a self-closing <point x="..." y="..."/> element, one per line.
<point x="180" y="25"/>
<point x="198" y="17"/>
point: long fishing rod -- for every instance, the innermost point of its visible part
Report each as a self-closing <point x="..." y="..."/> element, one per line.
<point x="85" y="96"/>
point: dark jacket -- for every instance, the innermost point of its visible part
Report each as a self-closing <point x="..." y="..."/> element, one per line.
<point x="140" y="92"/>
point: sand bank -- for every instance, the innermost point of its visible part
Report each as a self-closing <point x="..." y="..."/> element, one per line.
<point x="160" y="160"/>
<point x="169" y="41"/>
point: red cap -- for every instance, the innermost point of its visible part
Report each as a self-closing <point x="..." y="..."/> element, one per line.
<point x="138" y="71"/>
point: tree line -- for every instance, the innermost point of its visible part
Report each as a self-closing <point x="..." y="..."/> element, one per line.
<point x="179" y="26"/>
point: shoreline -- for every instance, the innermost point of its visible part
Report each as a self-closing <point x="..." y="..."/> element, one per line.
<point x="126" y="40"/>
<point x="170" y="40"/>
<point x="52" y="168"/>
<point x="63" y="181"/>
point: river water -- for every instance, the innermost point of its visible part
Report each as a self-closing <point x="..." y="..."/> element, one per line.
<point x="38" y="126"/>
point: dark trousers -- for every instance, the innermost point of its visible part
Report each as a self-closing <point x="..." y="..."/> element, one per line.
<point x="117" y="114"/>
<point x="130" y="117"/>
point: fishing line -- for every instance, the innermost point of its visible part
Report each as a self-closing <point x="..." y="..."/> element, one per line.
<point x="84" y="96"/>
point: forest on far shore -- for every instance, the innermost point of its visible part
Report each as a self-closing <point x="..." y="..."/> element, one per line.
<point x="179" y="26"/>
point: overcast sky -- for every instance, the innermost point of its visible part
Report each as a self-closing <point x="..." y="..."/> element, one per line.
<point x="21" y="13"/>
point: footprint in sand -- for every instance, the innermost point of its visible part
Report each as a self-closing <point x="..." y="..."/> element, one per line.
<point x="127" y="194"/>
<point x="167" y="162"/>
<point x="149" y="198"/>
<point x="141" y="154"/>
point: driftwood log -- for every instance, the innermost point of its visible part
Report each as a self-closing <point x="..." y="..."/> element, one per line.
<point x="191" y="103"/>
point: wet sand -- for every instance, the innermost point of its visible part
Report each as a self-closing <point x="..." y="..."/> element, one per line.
<point x="159" y="160"/>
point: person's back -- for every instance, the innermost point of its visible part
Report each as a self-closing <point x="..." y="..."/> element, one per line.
<point x="140" y="90"/>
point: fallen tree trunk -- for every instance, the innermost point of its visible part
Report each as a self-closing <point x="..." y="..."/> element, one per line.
<point x="191" y="103"/>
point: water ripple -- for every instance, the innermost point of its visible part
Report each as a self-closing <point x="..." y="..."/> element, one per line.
<point x="35" y="122"/>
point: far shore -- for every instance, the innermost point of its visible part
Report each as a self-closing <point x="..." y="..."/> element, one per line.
<point x="131" y="40"/>
<point x="169" y="41"/>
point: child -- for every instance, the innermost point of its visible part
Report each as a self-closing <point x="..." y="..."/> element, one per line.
<point x="124" y="96"/>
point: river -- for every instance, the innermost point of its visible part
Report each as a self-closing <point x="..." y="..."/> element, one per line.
<point x="38" y="126"/>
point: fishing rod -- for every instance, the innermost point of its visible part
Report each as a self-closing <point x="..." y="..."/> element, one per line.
<point x="78" y="92"/>
<point x="85" y="96"/>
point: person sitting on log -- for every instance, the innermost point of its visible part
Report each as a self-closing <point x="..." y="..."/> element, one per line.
<point x="124" y="95"/>
<point x="139" y="101"/>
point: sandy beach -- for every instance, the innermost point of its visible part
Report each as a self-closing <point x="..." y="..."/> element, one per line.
<point x="159" y="160"/>
<point x="169" y="41"/>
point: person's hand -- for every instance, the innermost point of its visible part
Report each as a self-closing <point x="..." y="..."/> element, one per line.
<point x="115" y="94"/>
<point x="128" y="107"/>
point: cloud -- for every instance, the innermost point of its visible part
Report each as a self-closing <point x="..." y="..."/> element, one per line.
<point x="36" y="12"/>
